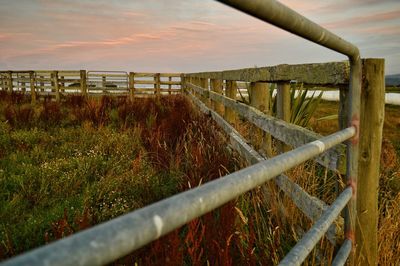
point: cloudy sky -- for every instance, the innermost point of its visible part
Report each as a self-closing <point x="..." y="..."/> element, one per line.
<point x="183" y="35"/>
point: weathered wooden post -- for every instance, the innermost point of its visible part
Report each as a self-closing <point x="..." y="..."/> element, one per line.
<point x="41" y="84"/>
<point x="205" y="96"/>
<point x="23" y="84"/>
<point x="259" y="98"/>
<point x="183" y="83"/>
<point x="132" y="85"/>
<point x="218" y="87"/>
<point x="62" y="83"/>
<point x="231" y="91"/>
<point x="56" y="85"/>
<point x="371" y="124"/>
<point x="157" y="84"/>
<point x="283" y="107"/>
<point x="104" y="84"/>
<point x="10" y="81"/>
<point x="1" y="81"/>
<point x="169" y="85"/>
<point x="83" y="84"/>
<point x="33" y="87"/>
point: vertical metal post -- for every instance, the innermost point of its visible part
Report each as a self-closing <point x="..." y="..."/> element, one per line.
<point x="352" y="152"/>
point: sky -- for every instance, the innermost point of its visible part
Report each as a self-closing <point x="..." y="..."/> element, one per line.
<point x="183" y="35"/>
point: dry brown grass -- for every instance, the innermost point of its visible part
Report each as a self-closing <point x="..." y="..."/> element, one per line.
<point x="389" y="190"/>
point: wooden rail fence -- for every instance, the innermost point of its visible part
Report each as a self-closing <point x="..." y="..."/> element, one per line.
<point x="56" y="84"/>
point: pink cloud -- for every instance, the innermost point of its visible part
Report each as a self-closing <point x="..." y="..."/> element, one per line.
<point x="374" y="18"/>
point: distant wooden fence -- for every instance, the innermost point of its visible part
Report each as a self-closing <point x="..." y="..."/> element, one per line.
<point x="57" y="84"/>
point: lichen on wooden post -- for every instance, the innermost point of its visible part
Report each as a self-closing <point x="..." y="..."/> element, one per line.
<point x="218" y="87"/>
<point x="83" y="83"/>
<point x="231" y="91"/>
<point x="283" y="107"/>
<point x="371" y="124"/>
<point x="259" y="98"/>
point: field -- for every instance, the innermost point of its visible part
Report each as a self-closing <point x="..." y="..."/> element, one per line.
<point x="65" y="167"/>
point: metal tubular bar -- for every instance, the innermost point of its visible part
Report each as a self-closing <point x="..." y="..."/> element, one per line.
<point x="343" y="253"/>
<point x="285" y="18"/>
<point x="301" y="250"/>
<point x="109" y="241"/>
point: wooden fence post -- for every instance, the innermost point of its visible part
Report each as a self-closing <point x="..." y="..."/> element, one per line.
<point x="205" y="97"/>
<point x="132" y="85"/>
<point x="83" y="83"/>
<point x="56" y="85"/>
<point x="1" y="81"/>
<point x="183" y="83"/>
<point x="259" y="98"/>
<point x="157" y="84"/>
<point x="33" y="87"/>
<point x="283" y="108"/>
<point x="371" y="124"/>
<point x="169" y="85"/>
<point x="10" y="81"/>
<point x="41" y="84"/>
<point x="62" y="83"/>
<point x="230" y="92"/>
<point x="218" y="87"/>
<point x="23" y="83"/>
